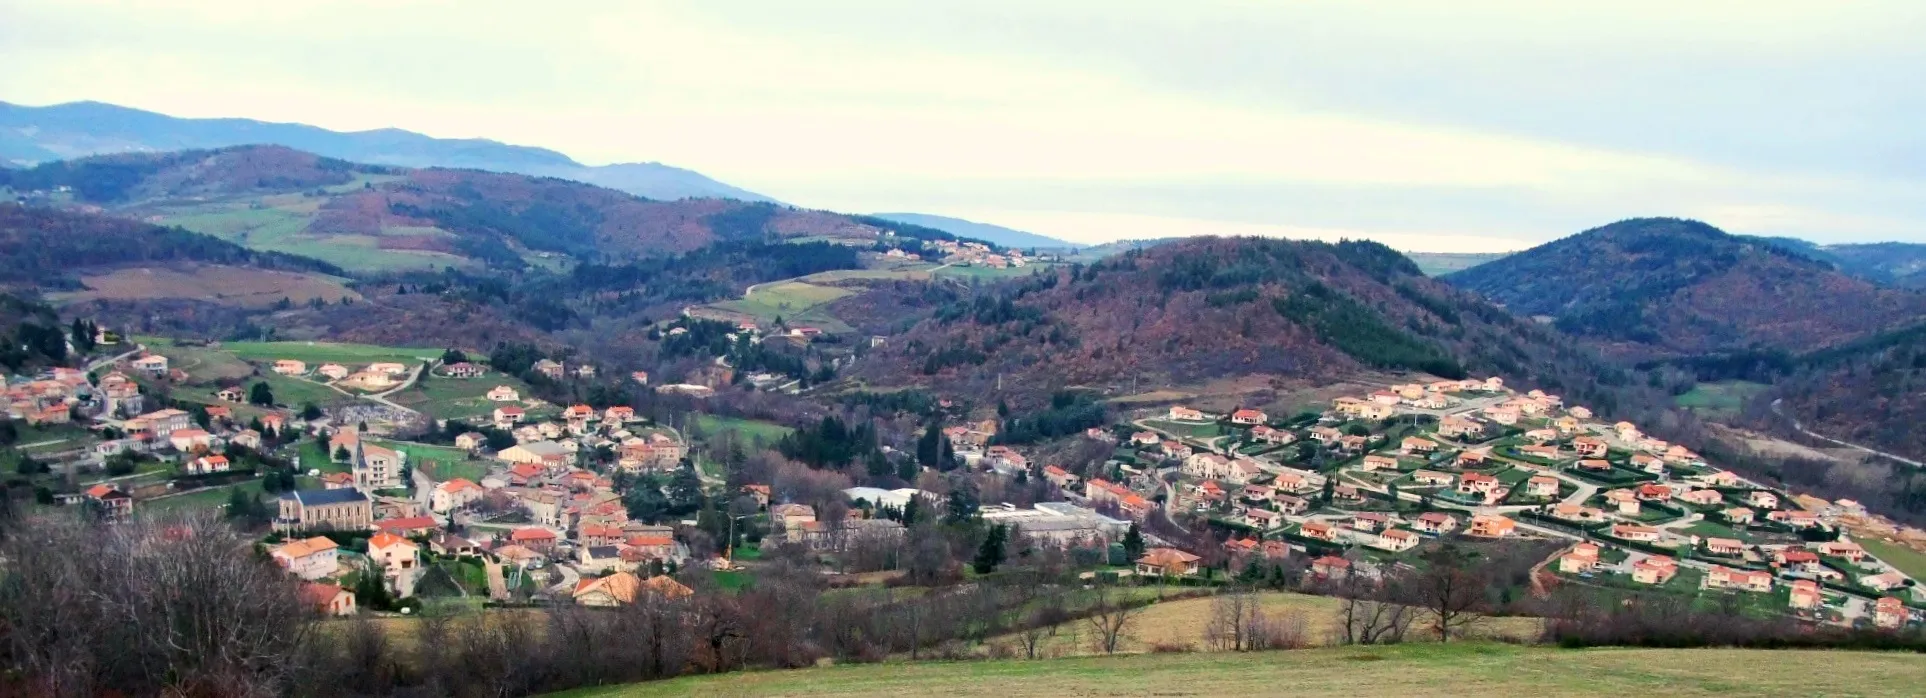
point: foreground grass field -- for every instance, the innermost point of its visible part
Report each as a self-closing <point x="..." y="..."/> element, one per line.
<point x="1181" y="623"/>
<point x="1462" y="669"/>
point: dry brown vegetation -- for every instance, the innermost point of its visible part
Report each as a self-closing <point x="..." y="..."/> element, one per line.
<point x="225" y="285"/>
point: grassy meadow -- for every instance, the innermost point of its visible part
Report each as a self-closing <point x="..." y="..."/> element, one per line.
<point x="1457" y="669"/>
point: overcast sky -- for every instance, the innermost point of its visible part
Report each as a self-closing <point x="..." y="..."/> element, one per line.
<point x="1467" y="125"/>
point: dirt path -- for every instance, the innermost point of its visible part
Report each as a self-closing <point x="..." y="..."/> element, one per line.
<point x="1801" y="428"/>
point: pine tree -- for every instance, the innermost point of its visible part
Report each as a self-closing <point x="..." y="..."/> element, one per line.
<point x="991" y="553"/>
<point x="261" y="395"/>
<point x="1133" y="543"/>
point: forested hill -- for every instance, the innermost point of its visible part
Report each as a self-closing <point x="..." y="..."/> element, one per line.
<point x="42" y="247"/>
<point x="379" y="218"/>
<point x="1666" y="286"/>
<point x="1206" y="308"/>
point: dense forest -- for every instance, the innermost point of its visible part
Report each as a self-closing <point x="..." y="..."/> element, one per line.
<point x="1213" y="307"/>
<point x="33" y="334"/>
<point x="1671" y="287"/>
<point x="43" y="246"/>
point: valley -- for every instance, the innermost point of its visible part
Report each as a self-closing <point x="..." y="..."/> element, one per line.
<point x="557" y="415"/>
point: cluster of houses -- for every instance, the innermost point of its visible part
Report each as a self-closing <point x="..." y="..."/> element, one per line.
<point x="1480" y="460"/>
<point x="580" y="429"/>
<point x="971" y="253"/>
<point x="374" y="376"/>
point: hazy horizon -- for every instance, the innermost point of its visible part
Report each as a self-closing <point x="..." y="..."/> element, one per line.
<point x="1469" y="127"/>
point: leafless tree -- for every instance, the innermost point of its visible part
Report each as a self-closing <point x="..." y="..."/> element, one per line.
<point x="1370" y="612"/>
<point x="179" y="602"/>
<point x="1450" y="587"/>
<point x="1045" y="615"/>
<point x="1110" y="616"/>
<point x="1232" y="613"/>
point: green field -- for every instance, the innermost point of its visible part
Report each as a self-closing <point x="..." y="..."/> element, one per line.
<point x="991" y="274"/>
<point x="1907" y="560"/>
<point x="315" y="353"/>
<point x="295" y="392"/>
<point x="1208" y="430"/>
<point x="448" y="463"/>
<point x="456" y="398"/>
<point x="279" y="224"/>
<point x="1724" y="397"/>
<point x="797" y="303"/>
<point x="749" y="430"/>
<point x="1467" y="669"/>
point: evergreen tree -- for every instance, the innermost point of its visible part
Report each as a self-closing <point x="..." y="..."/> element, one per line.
<point x="309" y="412"/>
<point x="261" y="395"/>
<point x="685" y="492"/>
<point x="991" y="553"/>
<point x="1133" y="543"/>
<point x="877" y="465"/>
<point x="912" y="511"/>
<point x="1330" y="490"/>
<point x="962" y="506"/>
<point x="930" y="447"/>
<point x="645" y="501"/>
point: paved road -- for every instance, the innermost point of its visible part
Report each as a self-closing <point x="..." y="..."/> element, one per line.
<point x="382" y="397"/>
<point x="569" y="579"/>
<point x="1801" y="428"/>
<point x="138" y="348"/>
<point x="424" y="486"/>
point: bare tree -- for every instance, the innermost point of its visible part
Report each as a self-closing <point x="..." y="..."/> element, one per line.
<point x="1451" y="589"/>
<point x="177" y="602"/>
<point x="1370" y="613"/>
<point x="1046" y="614"/>
<point x="1231" y="614"/>
<point x="1110" y="617"/>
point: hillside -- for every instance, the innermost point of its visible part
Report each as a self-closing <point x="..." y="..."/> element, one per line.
<point x="1207" y="308"/>
<point x="31" y="135"/>
<point x="48" y="248"/>
<point x="1893" y="263"/>
<point x="1458" y="669"/>
<point x="1664" y="286"/>
<point x="1901" y="264"/>
<point x="368" y="218"/>
<point x="1866" y="392"/>
<point x="994" y="234"/>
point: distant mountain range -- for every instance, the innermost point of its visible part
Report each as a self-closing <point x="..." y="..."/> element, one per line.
<point x="1666" y="286"/>
<point x="374" y="218"/>
<point x="32" y="135"/>
<point x="1006" y="237"/>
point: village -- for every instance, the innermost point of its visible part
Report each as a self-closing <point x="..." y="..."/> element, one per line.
<point x="1361" y="486"/>
<point x="536" y="509"/>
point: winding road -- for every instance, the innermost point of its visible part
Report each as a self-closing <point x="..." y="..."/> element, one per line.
<point x="1801" y="428"/>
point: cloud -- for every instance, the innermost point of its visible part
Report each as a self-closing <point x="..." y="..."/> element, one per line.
<point x="1478" y="123"/>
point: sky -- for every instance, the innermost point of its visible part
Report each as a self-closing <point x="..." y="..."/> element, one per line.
<point x="1463" y="126"/>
